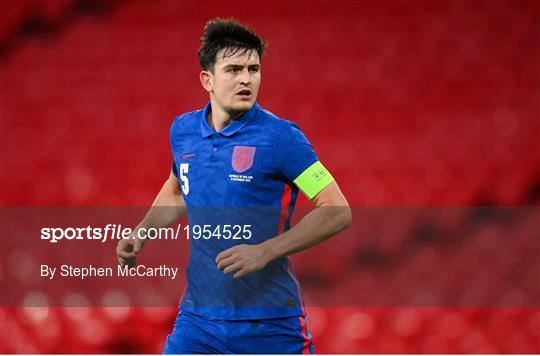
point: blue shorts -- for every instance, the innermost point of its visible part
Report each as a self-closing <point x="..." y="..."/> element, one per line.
<point x="193" y="334"/>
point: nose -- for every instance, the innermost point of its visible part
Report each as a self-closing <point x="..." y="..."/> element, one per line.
<point x="245" y="77"/>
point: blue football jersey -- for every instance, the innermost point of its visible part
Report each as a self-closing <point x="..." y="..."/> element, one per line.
<point x="239" y="188"/>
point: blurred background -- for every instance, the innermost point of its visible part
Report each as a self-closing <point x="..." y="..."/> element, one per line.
<point x="409" y="104"/>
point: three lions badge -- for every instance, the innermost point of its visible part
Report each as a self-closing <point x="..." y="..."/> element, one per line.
<point x="242" y="158"/>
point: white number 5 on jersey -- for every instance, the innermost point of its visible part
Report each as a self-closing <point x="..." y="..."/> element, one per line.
<point x="184" y="168"/>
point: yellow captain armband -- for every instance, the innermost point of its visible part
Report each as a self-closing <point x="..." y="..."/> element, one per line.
<point x="314" y="179"/>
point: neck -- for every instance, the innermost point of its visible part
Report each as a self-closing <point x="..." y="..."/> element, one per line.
<point x="219" y="118"/>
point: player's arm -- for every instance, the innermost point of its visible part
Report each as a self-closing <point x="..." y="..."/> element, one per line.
<point x="331" y="215"/>
<point x="167" y="207"/>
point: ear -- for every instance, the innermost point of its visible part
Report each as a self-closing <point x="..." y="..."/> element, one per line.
<point x="206" y="79"/>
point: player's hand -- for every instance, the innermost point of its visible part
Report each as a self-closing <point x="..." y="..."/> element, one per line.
<point x="242" y="260"/>
<point x="127" y="250"/>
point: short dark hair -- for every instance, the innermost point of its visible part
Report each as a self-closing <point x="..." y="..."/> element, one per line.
<point x="227" y="34"/>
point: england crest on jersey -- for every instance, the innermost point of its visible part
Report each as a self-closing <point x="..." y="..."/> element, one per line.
<point x="242" y="158"/>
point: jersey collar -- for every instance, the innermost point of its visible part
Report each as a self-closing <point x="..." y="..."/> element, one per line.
<point x="233" y="127"/>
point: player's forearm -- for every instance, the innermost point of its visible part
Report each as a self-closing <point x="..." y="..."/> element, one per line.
<point x="320" y="224"/>
<point x="167" y="207"/>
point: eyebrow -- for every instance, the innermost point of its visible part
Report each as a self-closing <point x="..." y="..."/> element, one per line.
<point x="241" y="66"/>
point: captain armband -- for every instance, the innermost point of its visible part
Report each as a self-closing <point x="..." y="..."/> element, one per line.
<point x="314" y="179"/>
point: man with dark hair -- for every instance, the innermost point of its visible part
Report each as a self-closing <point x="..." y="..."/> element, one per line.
<point x="237" y="170"/>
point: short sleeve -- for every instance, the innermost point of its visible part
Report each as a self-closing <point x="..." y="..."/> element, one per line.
<point x="174" y="170"/>
<point x="299" y="162"/>
<point x="173" y="166"/>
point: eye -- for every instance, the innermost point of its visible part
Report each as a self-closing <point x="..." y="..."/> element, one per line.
<point x="254" y="69"/>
